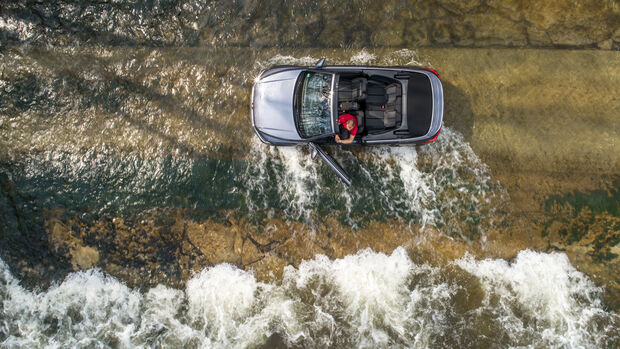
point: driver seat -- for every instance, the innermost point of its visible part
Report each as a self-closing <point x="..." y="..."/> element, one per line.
<point x="359" y="115"/>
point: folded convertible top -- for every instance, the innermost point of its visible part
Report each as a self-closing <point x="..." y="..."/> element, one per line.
<point x="419" y="105"/>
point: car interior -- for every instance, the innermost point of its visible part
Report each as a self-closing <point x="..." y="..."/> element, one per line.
<point x="376" y="102"/>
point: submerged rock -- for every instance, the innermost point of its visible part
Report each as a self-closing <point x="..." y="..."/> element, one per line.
<point x="135" y="255"/>
<point x="84" y="257"/>
<point x="67" y="244"/>
<point x="309" y="24"/>
<point x="215" y="241"/>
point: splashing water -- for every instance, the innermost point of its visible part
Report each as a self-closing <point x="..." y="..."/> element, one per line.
<point x="362" y="57"/>
<point x="287" y="60"/>
<point x="554" y="300"/>
<point x="443" y="184"/>
<point x="403" y="57"/>
<point x="364" y="300"/>
<point x="295" y="173"/>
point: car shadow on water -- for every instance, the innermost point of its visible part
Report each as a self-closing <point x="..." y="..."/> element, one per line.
<point x="458" y="113"/>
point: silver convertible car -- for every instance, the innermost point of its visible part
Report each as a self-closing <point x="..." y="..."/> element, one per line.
<point x="301" y="105"/>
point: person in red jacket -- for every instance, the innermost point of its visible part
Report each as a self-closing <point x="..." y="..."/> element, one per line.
<point x="348" y="129"/>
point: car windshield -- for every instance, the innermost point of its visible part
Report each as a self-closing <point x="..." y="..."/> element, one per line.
<point x="314" y="108"/>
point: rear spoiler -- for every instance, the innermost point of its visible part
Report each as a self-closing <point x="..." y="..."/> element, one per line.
<point x="317" y="150"/>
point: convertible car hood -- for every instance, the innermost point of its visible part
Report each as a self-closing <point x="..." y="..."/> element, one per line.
<point x="273" y="105"/>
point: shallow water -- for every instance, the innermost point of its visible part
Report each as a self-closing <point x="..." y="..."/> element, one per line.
<point x="184" y="143"/>
<point x="126" y="152"/>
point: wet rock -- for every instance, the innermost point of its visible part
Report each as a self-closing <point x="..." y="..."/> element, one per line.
<point x="566" y="37"/>
<point x="215" y="241"/>
<point x="238" y="243"/>
<point x="605" y="45"/>
<point x="274" y="231"/>
<point x="616" y="40"/>
<point x="416" y="34"/>
<point x="459" y="7"/>
<point x="302" y="27"/>
<point x="84" y="257"/>
<point x="308" y="24"/>
<point x="462" y="34"/>
<point x="66" y="242"/>
<point x="389" y="36"/>
<point x="302" y="245"/>
<point x="269" y="268"/>
<point x="495" y="30"/>
<point x="332" y="35"/>
<point x="250" y="253"/>
<point x="440" y="32"/>
<point x="507" y="8"/>
<point x="264" y="33"/>
<point x="537" y="36"/>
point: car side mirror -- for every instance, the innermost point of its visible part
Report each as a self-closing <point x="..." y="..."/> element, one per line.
<point x="314" y="153"/>
<point x="320" y="63"/>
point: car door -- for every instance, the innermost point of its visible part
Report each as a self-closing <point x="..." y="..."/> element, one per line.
<point x="333" y="165"/>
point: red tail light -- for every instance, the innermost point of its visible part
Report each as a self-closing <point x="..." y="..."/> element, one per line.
<point x="434" y="72"/>
<point x="434" y="138"/>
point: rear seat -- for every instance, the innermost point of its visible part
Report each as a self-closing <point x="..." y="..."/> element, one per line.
<point x="385" y="111"/>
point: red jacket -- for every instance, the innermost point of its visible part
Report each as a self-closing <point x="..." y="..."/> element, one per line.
<point x="342" y="120"/>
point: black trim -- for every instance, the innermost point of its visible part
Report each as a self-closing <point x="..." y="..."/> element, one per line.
<point x="268" y="139"/>
<point x="333" y="165"/>
<point x="297" y="100"/>
<point x="278" y="69"/>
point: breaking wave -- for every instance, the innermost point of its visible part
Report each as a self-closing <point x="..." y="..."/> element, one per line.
<point x="364" y="300"/>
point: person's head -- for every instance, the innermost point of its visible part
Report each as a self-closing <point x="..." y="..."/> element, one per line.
<point x="349" y="125"/>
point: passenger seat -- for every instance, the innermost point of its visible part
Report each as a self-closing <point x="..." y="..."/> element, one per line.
<point x="352" y="90"/>
<point x="360" y="85"/>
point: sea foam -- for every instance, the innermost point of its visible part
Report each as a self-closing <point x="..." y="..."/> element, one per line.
<point x="367" y="300"/>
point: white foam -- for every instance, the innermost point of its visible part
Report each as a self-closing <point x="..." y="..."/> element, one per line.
<point x="369" y="287"/>
<point x="362" y="57"/>
<point x="291" y="170"/>
<point x="399" y="169"/>
<point x="84" y="309"/>
<point x="443" y="184"/>
<point x="364" y="300"/>
<point x="219" y="299"/>
<point x="403" y="57"/>
<point x="287" y="60"/>
<point x="440" y="184"/>
<point x="547" y="288"/>
<point x="23" y="28"/>
<point x="162" y="319"/>
<point x="301" y="176"/>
